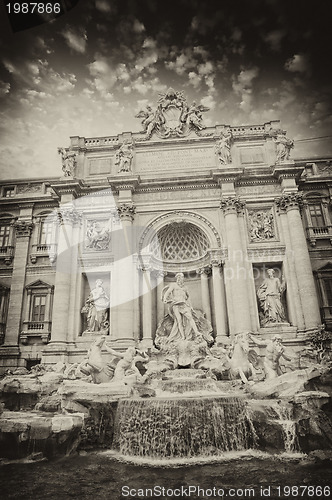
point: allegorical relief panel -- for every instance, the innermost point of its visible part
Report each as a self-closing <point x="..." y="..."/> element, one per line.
<point x="98" y="234"/>
<point x="261" y="225"/>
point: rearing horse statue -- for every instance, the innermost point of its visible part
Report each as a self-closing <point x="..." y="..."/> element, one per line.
<point x="240" y="365"/>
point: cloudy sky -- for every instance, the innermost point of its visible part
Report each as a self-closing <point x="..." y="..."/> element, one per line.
<point x="89" y="71"/>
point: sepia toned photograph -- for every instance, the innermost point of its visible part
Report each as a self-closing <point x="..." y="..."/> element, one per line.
<point x="165" y="249"/>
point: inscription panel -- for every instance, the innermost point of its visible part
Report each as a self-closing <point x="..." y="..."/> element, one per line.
<point x="175" y="159"/>
<point x="177" y="195"/>
<point x="99" y="166"/>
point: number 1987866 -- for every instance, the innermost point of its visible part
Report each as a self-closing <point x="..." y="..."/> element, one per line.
<point x="33" y="8"/>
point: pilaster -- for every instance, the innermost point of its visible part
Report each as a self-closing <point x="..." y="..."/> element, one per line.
<point x="23" y="229"/>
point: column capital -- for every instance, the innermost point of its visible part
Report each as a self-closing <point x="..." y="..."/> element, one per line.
<point x="289" y="201"/>
<point x="232" y="205"/>
<point x="69" y="216"/>
<point x="23" y="228"/>
<point x="126" y="211"/>
<point x="204" y="271"/>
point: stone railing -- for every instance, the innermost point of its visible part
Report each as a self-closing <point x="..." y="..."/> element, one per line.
<point x="7" y="253"/>
<point x="315" y="233"/>
<point x="43" y="250"/>
<point x="40" y="329"/>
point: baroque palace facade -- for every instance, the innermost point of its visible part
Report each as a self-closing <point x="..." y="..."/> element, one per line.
<point x="90" y="252"/>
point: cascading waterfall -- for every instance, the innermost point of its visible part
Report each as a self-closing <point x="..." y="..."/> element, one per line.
<point x="288" y="426"/>
<point x="175" y="428"/>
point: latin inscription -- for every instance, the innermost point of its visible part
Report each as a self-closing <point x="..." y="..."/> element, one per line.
<point x="176" y="159"/>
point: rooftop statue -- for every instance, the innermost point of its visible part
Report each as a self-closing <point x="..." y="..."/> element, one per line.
<point x="223" y="148"/>
<point x="173" y="117"/>
<point x="124" y="156"/>
<point x="283" y="145"/>
<point x="68" y="162"/>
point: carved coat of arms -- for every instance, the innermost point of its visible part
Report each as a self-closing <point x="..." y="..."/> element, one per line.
<point x="173" y="116"/>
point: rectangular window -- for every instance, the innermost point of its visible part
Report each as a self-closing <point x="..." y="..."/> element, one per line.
<point x="38" y="308"/>
<point x="9" y="192"/>
<point x="328" y="290"/>
<point x="4" y="236"/>
<point x="316" y="215"/>
<point x="46" y="234"/>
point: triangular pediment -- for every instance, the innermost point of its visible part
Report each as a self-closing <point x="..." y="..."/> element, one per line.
<point x="326" y="267"/>
<point x="39" y="284"/>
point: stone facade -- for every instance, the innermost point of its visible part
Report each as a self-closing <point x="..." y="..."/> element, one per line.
<point x="222" y="205"/>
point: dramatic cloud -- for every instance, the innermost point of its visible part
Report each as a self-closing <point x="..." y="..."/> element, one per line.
<point x="4" y="88"/>
<point x="76" y="39"/>
<point x="299" y="63"/>
<point x="242" y="85"/>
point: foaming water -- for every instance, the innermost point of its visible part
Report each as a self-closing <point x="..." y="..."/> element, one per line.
<point x="170" y="428"/>
<point x="225" y="457"/>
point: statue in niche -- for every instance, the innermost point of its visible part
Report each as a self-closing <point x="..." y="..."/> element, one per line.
<point x="223" y="148"/>
<point x="99" y="235"/>
<point x="269" y="297"/>
<point x="124" y="156"/>
<point x="68" y="162"/>
<point x="96" y="309"/>
<point x="274" y="351"/>
<point x="180" y="309"/>
<point x="183" y="336"/>
<point x="283" y="145"/>
<point x="261" y="225"/>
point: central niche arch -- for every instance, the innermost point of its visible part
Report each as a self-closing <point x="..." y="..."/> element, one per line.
<point x="179" y="242"/>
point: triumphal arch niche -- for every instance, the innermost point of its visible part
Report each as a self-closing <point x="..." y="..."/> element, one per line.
<point x="218" y="205"/>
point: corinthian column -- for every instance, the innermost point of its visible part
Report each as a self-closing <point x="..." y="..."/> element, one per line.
<point x="235" y="272"/>
<point x="63" y="291"/>
<point x="123" y="290"/>
<point x="291" y="203"/>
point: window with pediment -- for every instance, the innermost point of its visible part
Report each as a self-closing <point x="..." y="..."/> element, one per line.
<point x="38" y="313"/>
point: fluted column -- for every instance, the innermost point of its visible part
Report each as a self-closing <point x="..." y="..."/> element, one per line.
<point x="23" y="229"/>
<point x="63" y="292"/>
<point x="290" y="203"/>
<point x="235" y="270"/>
<point x="206" y="306"/>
